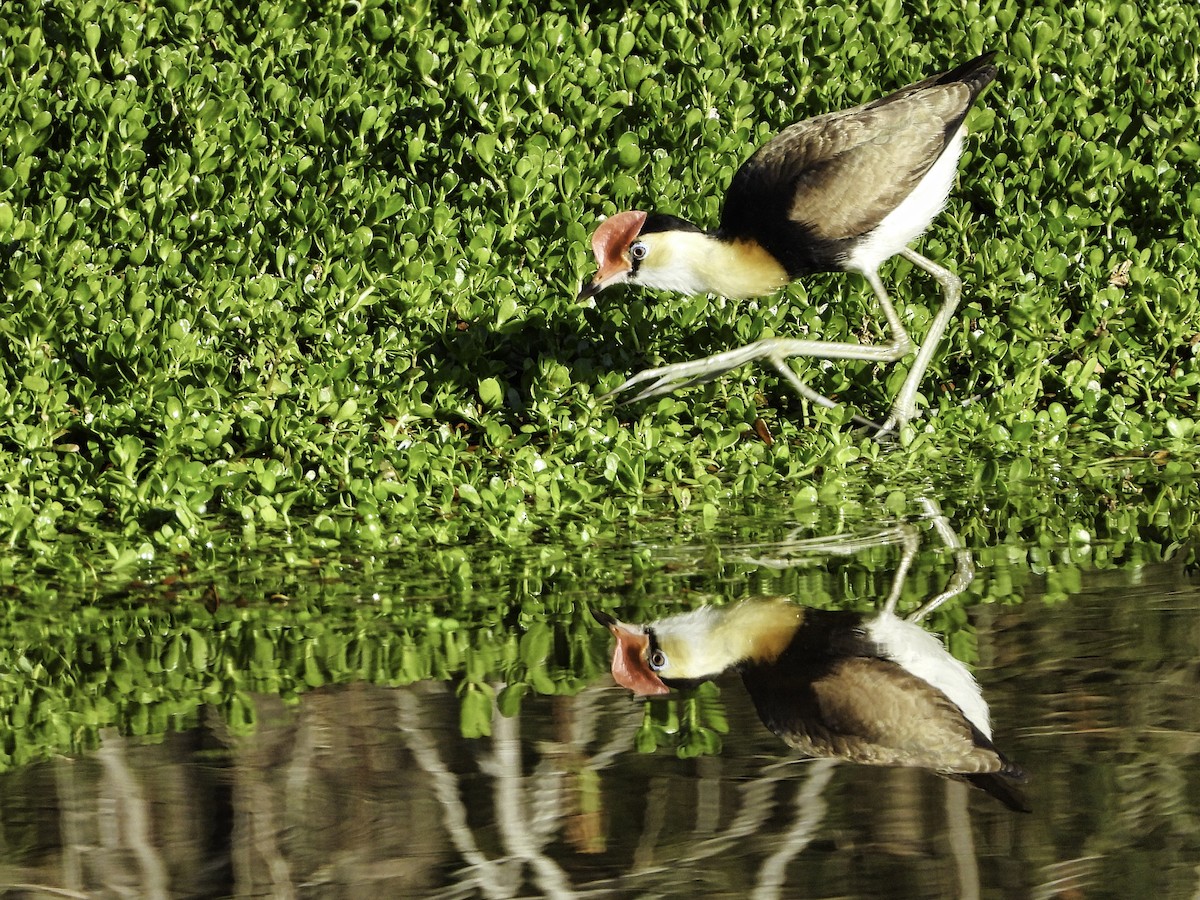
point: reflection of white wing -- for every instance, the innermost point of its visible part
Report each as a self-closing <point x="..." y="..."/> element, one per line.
<point x="922" y="654"/>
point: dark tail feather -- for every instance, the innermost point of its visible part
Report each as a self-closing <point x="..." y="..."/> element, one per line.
<point x="1001" y="786"/>
<point x="977" y="73"/>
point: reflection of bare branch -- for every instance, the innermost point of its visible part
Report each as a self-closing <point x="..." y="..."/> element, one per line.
<point x="260" y="811"/>
<point x="45" y="889"/>
<point x="755" y="806"/>
<point x="131" y="820"/>
<point x="656" y="815"/>
<point x="708" y="794"/>
<point x="529" y="811"/>
<point x="580" y="726"/>
<point x="962" y="840"/>
<point x="617" y="744"/>
<point x="264" y="837"/>
<point x="491" y="879"/>
<point x="810" y="812"/>
<point x="1070" y="876"/>
<point x="299" y="770"/>
<point x="546" y="788"/>
<point x="517" y="828"/>
<point x="72" y="823"/>
<point x="571" y="780"/>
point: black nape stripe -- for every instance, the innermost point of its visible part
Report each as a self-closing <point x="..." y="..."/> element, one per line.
<point x="650" y="632"/>
<point x="683" y="684"/>
<point x="663" y="222"/>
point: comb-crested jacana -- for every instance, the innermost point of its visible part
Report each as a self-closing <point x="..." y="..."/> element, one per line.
<point x="841" y="192"/>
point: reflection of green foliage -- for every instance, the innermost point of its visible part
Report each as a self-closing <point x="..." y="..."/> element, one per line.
<point x="146" y="658"/>
<point x="692" y="723"/>
<point x="149" y="668"/>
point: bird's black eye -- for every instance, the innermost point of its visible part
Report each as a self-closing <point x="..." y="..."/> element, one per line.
<point x="638" y="250"/>
<point x="658" y="660"/>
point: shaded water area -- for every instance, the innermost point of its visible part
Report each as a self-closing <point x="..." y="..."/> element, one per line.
<point x="444" y="725"/>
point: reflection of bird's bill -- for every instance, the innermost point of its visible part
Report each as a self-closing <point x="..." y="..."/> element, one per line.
<point x="603" y="618"/>
<point x="629" y="662"/>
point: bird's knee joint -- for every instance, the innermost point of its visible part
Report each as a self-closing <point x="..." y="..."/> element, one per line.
<point x="901" y="347"/>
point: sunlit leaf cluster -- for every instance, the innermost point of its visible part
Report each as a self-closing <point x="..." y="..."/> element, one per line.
<point x="299" y="280"/>
<point x="280" y="263"/>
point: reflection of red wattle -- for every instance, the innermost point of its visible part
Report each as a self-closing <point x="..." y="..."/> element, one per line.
<point x="629" y="667"/>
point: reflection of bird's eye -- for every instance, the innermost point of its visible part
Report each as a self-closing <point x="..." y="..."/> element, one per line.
<point x="638" y="250"/>
<point x="658" y="660"/>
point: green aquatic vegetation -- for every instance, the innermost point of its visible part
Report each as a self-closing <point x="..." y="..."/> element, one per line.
<point x="147" y="654"/>
<point x="691" y="724"/>
<point x="150" y="658"/>
<point x="314" y="266"/>
<point x="297" y="281"/>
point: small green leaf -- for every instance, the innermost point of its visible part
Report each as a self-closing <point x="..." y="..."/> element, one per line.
<point x="490" y="393"/>
<point x="508" y="701"/>
<point x="506" y="310"/>
<point x="475" y="713"/>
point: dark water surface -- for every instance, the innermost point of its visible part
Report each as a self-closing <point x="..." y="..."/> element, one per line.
<point x="366" y="790"/>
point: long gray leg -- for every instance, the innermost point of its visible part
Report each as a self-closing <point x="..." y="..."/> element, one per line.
<point x="905" y="406"/>
<point x="776" y="351"/>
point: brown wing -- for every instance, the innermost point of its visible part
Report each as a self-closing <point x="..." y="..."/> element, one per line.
<point x="901" y="714"/>
<point x="836" y="176"/>
<point x="870" y="710"/>
<point x="850" y="193"/>
<point x="840" y="174"/>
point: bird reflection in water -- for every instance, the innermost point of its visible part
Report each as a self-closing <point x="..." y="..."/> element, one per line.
<point x="875" y="689"/>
